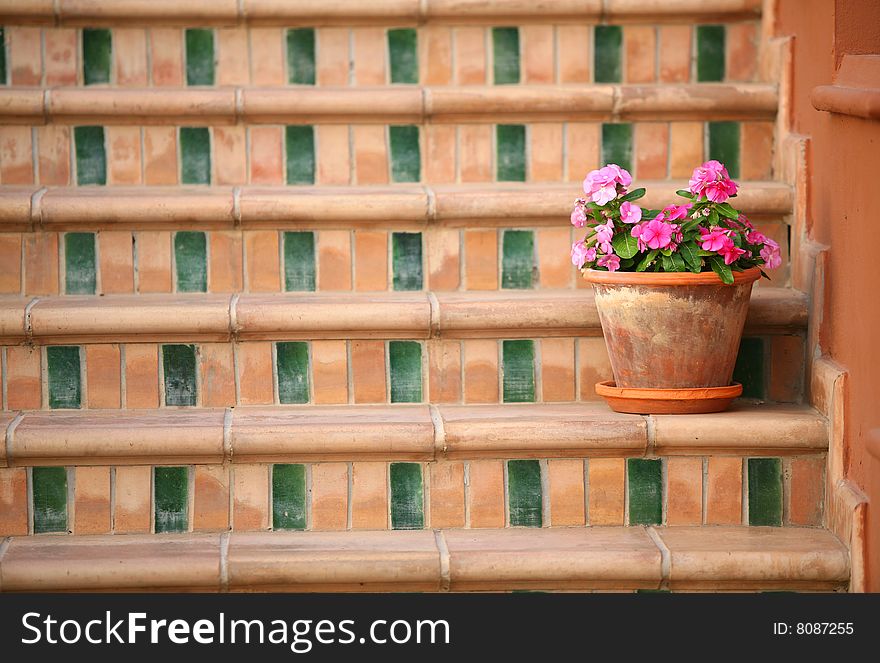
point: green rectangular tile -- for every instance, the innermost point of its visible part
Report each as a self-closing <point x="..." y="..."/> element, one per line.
<point x="195" y="155"/>
<point x="179" y="366"/>
<point x="510" y="141"/>
<point x="407" y="507"/>
<point x="403" y="54"/>
<point x="288" y="497"/>
<point x="301" y="56"/>
<point x="96" y="50"/>
<point x="300" y="141"/>
<point x="170" y="490"/>
<point x="405" y="363"/>
<point x="79" y="264"/>
<point x="2" y="56"/>
<point x="406" y="160"/>
<point x="65" y="376"/>
<point x="710" y="53"/>
<point x="749" y="369"/>
<point x="190" y="261"/>
<point x="292" y="368"/>
<point x="518" y="259"/>
<point x="406" y="261"/>
<point x="299" y="261"/>
<point x="524" y="493"/>
<point x="518" y="369"/>
<point x="91" y="156"/>
<point x="645" y="483"/>
<point x="505" y="53"/>
<point x="608" y="54"/>
<point x="50" y="499"/>
<point x="724" y="145"/>
<point x="617" y="144"/>
<point x="199" y="56"/>
<point x="765" y="491"/>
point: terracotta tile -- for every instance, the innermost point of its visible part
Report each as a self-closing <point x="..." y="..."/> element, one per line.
<point x="686" y="145"/>
<point x="475" y="152"/>
<point x="224" y="269"/>
<point x="330" y="372"/>
<point x="331" y="56"/>
<point x="132" y="498"/>
<point x="23" y="388"/>
<point x="481" y="259"/>
<point x="652" y="150"/>
<point x="24" y="55"/>
<point x="554" y="266"/>
<point x="742" y="51"/>
<point x="262" y="260"/>
<point x="124" y="155"/>
<point x="724" y="491"/>
<point x="130" y="57"/>
<point x="141" y="376"/>
<point x="370" y="153"/>
<point x="435" y="54"/>
<point x="116" y="262"/>
<point x="684" y="501"/>
<point x="370" y="260"/>
<point x="267" y="155"/>
<point x="557" y="369"/>
<point x="470" y="55"/>
<point x="574" y="53"/>
<point x="756" y="150"/>
<point x="369" y="496"/>
<point x="13" y="501"/>
<point x="537" y="53"/>
<point x="480" y="371"/>
<point x="606" y="477"/>
<point x="545" y="154"/>
<point x="485" y="493"/>
<point x="41" y="263"/>
<point x="329" y="496"/>
<point x="232" y="56"/>
<point x="160" y="155"/>
<point x="256" y="383"/>
<point x="103" y="376"/>
<point x="16" y="155"/>
<point x="211" y="498"/>
<point x="444" y="371"/>
<point x="675" y="53"/>
<point x="218" y="375"/>
<point x="439" y="163"/>
<point x="566" y="479"/>
<point x="267" y="56"/>
<point x="334" y="259"/>
<point x="807" y="490"/>
<point x="443" y="258"/>
<point x="250" y="501"/>
<point x="60" y="48"/>
<point x="640" y="46"/>
<point x="368" y="371"/>
<point x="334" y="156"/>
<point x="447" y="494"/>
<point x="370" y="54"/>
<point x="166" y="52"/>
<point x="786" y="368"/>
<point x="153" y="261"/>
<point x="594" y="365"/>
<point x="581" y="149"/>
<point x="230" y="155"/>
<point x="53" y="152"/>
<point x="91" y="512"/>
<point x="10" y="258"/>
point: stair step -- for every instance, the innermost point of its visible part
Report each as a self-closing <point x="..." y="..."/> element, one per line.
<point x="686" y="558"/>
<point x="397" y="432"/>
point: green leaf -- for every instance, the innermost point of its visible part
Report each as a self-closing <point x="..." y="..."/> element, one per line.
<point x="713" y="218"/>
<point x="668" y="264"/>
<point x="678" y="262"/>
<point x="703" y="253"/>
<point x="684" y="193"/>
<point x="666" y="252"/>
<point x="691" y="225"/>
<point x="625" y="245"/>
<point x="727" y="210"/>
<point x="627" y="262"/>
<point x="764" y="274"/>
<point x="635" y="194"/>
<point x="690" y="254"/>
<point x="724" y="272"/>
<point x="647" y="260"/>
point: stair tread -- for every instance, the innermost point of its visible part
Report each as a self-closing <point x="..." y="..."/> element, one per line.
<point x="426" y="560"/>
<point x="395" y="432"/>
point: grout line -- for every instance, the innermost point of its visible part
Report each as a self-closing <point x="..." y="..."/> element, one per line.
<point x="506" y="492"/>
<point x="10" y="433"/>
<point x="586" y="470"/>
<point x="190" y="497"/>
<point x="36" y="211"/>
<point x="665" y="557"/>
<point x="425" y="469"/>
<point x="236" y="208"/>
<point x="70" y="472"/>
<point x="4" y="378"/>
<point x="651" y="435"/>
<point x="705" y="492"/>
<point x="227" y="436"/>
<point x="29" y="482"/>
<point x="434" y="329"/>
<point x="348" y="513"/>
<point x="443" y="550"/>
<point x="439" y="431"/>
<point x="112" y="499"/>
<point x="744" y="497"/>
<point x="467" y="494"/>
<point x="224" y="562"/>
<point x="544" y="466"/>
<point x="28" y="327"/>
<point x="664" y="490"/>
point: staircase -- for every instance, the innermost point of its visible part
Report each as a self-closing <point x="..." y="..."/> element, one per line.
<point x="287" y="302"/>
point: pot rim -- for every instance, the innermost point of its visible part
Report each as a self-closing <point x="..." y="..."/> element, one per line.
<point x="668" y="278"/>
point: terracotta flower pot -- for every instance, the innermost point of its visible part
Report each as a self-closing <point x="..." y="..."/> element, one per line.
<point x="668" y="332"/>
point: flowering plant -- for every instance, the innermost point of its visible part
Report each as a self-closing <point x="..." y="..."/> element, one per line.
<point x="706" y="233"/>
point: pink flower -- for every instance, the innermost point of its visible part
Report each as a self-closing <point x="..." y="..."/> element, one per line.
<point x="719" y="192"/>
<point x="675" y="212"/>
<point x="601" y="185"/>
<point x="731" y="253"/>
<point x="578" y="217"/>
<point x="656" y="234"/>
<point x="743" y="219"/>
<point x="630" y="213"/>
<point x="610" y="261"/>
<point x="770" y="254"/>
<point x="605" y="232"/>
<point x="581" y="253"/>
<point x="756" y="237"/>
<point x="714" y="239"/>
<point x="713" y="180"/>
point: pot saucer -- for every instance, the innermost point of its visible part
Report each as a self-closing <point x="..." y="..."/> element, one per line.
<point x="668" y="401"/>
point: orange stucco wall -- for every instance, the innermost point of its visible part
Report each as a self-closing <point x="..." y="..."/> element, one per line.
<point x="844" y="213"/>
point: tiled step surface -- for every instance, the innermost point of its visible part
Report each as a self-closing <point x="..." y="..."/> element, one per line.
<point x="724" y="558"/>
